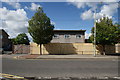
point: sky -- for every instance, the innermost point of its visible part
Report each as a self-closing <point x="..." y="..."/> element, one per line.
<point x="65" y="15"/>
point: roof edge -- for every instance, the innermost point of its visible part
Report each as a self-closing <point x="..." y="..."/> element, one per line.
<point x="4" y="31"/>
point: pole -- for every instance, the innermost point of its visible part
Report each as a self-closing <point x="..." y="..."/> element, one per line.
<point x="95" y="33"/>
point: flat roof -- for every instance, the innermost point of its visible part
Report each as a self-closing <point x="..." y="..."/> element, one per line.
<point x="69" y="30"/>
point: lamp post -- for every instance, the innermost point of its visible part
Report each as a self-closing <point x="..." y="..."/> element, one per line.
<point x="95" y="33"/>
<point x="95" y="30"/>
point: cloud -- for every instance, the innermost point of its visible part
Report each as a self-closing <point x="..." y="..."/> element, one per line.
<point x="14" y="21"/>
<point x="87" y="35"/>
<point x="62" y="0"/>
<point x="92" y="0"/>
<point x="14" y="4"/>
<point x="26" y="7"/>
<point x="107" y="9"/>
<point x="5" y="0"/>
<point x="52" y="22"/>
<point x="87" y="15"/>
<point x="34" y="6"/>
<point x="77" y="4"/>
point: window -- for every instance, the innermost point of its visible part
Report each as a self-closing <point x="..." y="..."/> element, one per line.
<point x="67" y="36"/>
<point x="56" y="36"/>
<point x="78" y="36"/>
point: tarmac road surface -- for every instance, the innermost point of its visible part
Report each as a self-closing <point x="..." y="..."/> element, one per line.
<point x="61" y="67"/>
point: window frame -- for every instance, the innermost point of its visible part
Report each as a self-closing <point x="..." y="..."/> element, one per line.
<point x="78" y="36"/>
<point x="57" y="36"/>
<point x="65" y="36"/>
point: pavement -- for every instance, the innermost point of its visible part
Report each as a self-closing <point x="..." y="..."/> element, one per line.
<point x="14" y="77"/>
<point x="9" y="76"/>
<point x="12" y="55"/>
<point x="79" y="56"/>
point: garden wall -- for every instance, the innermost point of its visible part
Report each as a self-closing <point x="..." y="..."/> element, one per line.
<point x="63" y="48"/>
<point x="72" y="48"/>
<point x="21" y="49"/>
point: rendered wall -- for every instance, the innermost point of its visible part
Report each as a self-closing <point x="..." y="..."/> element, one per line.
<point x="117" y="48"/>
<point x="63" y="48"/>
<point x="72" y="48"/>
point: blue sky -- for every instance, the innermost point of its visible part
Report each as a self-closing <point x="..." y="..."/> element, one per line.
<point x="64" y="15"/>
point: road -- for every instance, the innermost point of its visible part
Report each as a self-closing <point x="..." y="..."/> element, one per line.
<point x="61" y="67"/>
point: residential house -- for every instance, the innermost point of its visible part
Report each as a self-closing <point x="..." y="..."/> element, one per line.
<point x="68" y="36"/>
<point x="4" y="40"/>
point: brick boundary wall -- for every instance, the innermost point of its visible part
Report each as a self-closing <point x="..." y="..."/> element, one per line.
<point x="21" y="49"/>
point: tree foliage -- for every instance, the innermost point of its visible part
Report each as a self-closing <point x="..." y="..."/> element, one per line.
<point x="40" y="28"/>
<point x="107" y="33"/>
<point x="21" y="39"/>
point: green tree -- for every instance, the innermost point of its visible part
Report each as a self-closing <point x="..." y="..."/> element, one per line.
<point x="21" y="39"/>
<point x="107" y="33"/>
<point x="13" y="41"/>
<point x="40" y="28"/>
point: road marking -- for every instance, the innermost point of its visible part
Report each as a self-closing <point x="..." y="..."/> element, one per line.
<point x="11" y="76"/>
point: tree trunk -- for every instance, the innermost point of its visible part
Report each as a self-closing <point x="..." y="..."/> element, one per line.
<point x="40" y="49"/>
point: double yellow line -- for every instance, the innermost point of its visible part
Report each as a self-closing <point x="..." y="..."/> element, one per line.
<point x="9" y="76"/>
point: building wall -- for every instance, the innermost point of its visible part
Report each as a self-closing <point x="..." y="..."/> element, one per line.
<point x="0" y="39"/>
<point x="4" y="41"/>
<point x="0" y="43"/>
<point x="71" y="48"/>
<point x="72" y="39"/>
